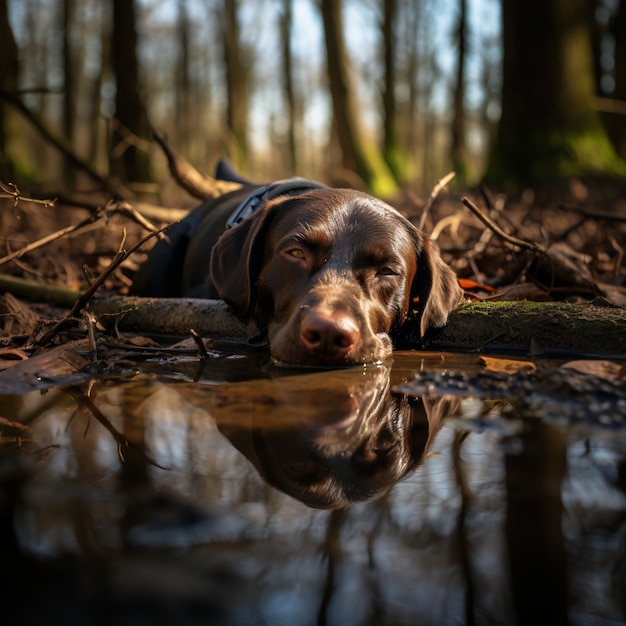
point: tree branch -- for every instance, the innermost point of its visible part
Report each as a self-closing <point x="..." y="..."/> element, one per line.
<point x="188" y="177"/>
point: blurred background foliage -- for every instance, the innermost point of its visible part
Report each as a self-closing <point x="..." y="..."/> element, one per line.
<point x="378" y="94"/>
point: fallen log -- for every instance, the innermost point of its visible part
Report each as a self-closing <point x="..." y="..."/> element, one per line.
<point x="528" y="327"/>
<point x="512" y="326"/>
<point x="174" y="317"/>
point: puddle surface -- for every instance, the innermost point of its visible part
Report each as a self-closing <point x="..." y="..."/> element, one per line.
<point x="174" y="494"/>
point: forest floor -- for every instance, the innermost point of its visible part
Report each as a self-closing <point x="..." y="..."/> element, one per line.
<point x="563" y="243"/>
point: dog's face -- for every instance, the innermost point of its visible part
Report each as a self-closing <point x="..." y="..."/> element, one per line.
<point x="334" y="440"/>
<point x="330" y="273"/>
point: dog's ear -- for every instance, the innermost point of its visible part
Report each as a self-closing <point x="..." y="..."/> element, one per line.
<point x="236" y="260"/>
<point x="435" y="286"/>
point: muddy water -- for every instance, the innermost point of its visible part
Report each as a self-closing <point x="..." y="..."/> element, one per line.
<point x="234" y="493"/>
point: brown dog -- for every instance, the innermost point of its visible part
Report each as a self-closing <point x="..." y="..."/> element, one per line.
<point x="327" y="273"/>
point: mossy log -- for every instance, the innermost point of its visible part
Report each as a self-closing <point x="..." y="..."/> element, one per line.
<point x="529" y="327"/>
<point x="520" y="326"/>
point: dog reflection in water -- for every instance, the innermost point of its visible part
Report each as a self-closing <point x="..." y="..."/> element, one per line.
<point x="331" y="438"/>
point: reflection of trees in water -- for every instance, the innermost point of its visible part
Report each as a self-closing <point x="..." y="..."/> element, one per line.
<point x="495" y="517"/>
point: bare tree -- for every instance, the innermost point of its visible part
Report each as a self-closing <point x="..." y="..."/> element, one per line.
<point x="617" y="121"/>
<point x="130" y="111"/>
<point x="68" y="10"/>
<point x="291" y="98"/>
<point x="347" y="121"/>
<point x="8" y="83"/>
<point x="458" y="120"/>
<point x="237" y="70"/>
<point x="183" y="82"/>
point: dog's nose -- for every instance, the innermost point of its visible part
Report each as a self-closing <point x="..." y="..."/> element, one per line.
<point x="329" y="335"/>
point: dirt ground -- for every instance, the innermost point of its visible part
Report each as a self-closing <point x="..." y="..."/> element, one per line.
<point x="574" y="231"/>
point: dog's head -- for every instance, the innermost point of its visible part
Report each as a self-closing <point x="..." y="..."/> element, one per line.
<point x="330" y="273"/>
<point x="335" y="440"/>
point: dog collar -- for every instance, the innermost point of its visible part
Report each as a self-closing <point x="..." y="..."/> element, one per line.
<point x="263" y="194"/>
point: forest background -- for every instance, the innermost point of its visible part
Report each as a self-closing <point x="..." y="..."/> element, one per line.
<point x="381" y="94"/>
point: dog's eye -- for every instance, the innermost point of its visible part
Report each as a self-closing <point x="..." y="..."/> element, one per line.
<point x="296" y="253"/>
<point x="386" y="271"/>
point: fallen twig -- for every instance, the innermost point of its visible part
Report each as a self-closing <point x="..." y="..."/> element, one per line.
<point x="85" y="402"/>
<point x="37" y="290"/>
<point x="11" y="190"/>
<point x="594" y="214"/>
<point x="51" y="237"/>
<point x="487" y="221"/>
<point x="188" y="177"/>
<point x="85" y="297"/>
<point x="198" y="340"/>
<point x="433" y="195"/>
<point x="62" y="146"/>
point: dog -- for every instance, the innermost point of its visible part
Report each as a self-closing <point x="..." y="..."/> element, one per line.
<point x="328" y="274"/>
<point x="333" y="438"/>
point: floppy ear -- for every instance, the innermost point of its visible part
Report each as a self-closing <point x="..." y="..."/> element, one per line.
<point x="436" y="287"/>
<point x="236" y="261"/>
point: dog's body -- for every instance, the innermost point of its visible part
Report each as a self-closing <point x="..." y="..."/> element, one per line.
<point x="327" y="273"/>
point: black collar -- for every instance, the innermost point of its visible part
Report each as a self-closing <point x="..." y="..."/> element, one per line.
<point x="263" y="194"/>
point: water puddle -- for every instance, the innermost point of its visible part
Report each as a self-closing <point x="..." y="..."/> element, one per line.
<point x="230" y="492"/>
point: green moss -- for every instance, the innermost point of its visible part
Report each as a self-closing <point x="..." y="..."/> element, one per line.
<point x="382" y="182"/>
<point x="545" y="157"/>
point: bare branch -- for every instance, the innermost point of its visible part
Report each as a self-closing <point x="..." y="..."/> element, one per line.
<point x="433" y="195"/>
<point x="188" y="177"/>
<point x="487" y="221"/>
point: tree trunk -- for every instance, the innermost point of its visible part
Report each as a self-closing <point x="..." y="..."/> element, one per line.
<point x="596" y="35"/>
<point x="237" y="84"/>
<point x="291" y="100"/>
<point x="549" y="128"/>
<point x="616" y="123"/>
<point x="415" y="143"/>
<point x="393" y="153"/>
<point x="130" y="111"/>
<point x="8" y="82"/>
<point x="69" y="90"/>
<point x="183" y="112"/>
<point x="94" y="98"/>
<point x="458" y="121"/>
<point x="346" y="118"/>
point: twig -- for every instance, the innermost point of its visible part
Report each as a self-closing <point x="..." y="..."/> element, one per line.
<point x="85" y="297"/>
<point x="39" y="290"/>
<point x="609" y="105"/>
<point x="125" y="208"/>
<point x="188" y="177"/>
<point x="620" y="256"/>
<point x="52" y="237"/>
<point x="85" y="402"/>
<point x="11" y="190"/>
<point x="198" y="340"/>
<point x="487" y="221"/>
<point x="62" y="146"/>
<point x="594" y="215"/>
<point x="433" y="195"/>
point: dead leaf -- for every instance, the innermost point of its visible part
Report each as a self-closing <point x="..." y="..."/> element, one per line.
<point x="50" y="368"/>
<point x="467" y="284"/>
<point x="506" y="366"/>
<point x="603" y="369"/>
<point x="11" y="356"/>
<point x="141" y="342"/>
<point x="522" y="291"/>
<point x="16" y="318"/>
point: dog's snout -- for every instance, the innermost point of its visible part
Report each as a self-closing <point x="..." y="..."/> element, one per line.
<point x="328" y="335"/>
